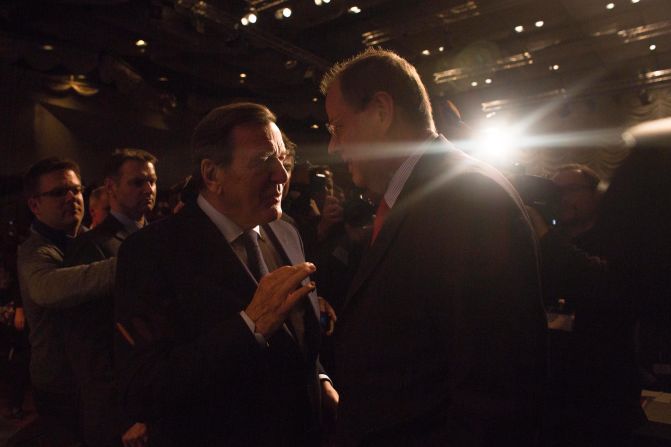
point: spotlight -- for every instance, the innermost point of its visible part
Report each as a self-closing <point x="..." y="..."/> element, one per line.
<point x="519" y="28"/>
<point x="474" y="84"/>
<point x="610" y="6"/>
<point x="315" y="126"/>
<point x="354" y="10"/>
<point x="283" y="13"/>
<point x="251" y="17"/>
<point x="539" y="24"/>
<point x="426" y="52"/>
<point x="140" y="43"/>
<point x="488" y="81"/>
<point x="315" y="99"/>
<point x="243" y="75"/>
<point x="635" y="1"/>
<point x="244" y="21"/>
<point x="47" y="47"/>
<point x="318" y="2"/>
<point x="653" y="47"/>
<point x="441" y="49"/>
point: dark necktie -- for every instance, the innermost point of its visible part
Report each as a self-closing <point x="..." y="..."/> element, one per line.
<point x="380" y="215"/>
<point x="255" y="260"/>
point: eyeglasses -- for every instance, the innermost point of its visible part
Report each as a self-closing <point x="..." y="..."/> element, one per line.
<point x="60" y="192"/>
<point x="333" y="129"/>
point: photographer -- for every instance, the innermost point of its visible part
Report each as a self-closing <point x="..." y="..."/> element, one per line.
<point x="594" y="391"/>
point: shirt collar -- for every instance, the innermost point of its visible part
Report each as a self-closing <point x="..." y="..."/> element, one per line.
<point x="400" y="177"/>
<point x="228" y="228"/>
<point x="129" y="224"/>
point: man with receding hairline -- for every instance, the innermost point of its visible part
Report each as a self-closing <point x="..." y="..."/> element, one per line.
<point x="440" y="340"/>
<point x="218" y="329"/>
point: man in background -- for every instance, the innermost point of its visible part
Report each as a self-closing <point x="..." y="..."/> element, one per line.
<point x="99" y="206"/>
<point x="54" y="193"/>
<point x="130" y="184"/>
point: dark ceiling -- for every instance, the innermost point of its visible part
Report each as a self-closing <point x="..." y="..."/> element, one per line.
<point x="467" y="51"/>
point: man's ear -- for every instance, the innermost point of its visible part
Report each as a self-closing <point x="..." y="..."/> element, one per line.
<point x="110" y="186"/>
<point x="384" y="108"/>
<point x="209" y="172"/>
<point x="33" y="204"/>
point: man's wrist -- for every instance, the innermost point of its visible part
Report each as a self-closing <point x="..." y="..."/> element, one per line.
<point x="260" y="339"/>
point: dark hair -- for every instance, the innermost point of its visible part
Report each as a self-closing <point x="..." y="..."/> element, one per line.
<point x="32" y="176"/>
<point x="590" y="176"/>
<point x="121" y="156"/>
<point x="212" y="136"/>
<point x="375" y="70"/>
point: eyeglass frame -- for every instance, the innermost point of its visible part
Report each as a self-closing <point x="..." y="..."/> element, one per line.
<point x="60" y="192"/>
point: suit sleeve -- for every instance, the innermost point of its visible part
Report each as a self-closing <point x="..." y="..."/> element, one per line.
<point x="51" y="285"/>
<point x="161" y="368"/>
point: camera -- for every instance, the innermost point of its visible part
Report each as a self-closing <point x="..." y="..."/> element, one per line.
<point x="540" y="193"/>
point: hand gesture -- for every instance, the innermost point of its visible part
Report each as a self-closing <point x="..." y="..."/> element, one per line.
<point x="277" y="294"/>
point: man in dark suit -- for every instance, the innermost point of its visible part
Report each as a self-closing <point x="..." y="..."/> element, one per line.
<point x="213" y="349"/>
<point x="441" y="337"/>
<point x="130" y="183"/>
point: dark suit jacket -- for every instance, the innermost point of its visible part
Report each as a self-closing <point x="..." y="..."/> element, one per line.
<point x="442" y="335"/>
<point x="189" y="365"/>
<point x="89" y="341"/>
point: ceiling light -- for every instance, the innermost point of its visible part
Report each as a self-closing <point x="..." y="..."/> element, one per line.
<point x="653" y="47"/>
<point x="326" y="1"/>
<point x="163" y="79"/>
<point x="354" y="10"/>
<point x="243" y="75"/>
<point x="554" y="67"/>
<point x="249" y="18"/>
<point x="426" y="52"/>
<point x="519" y="28"/>
<point x="318" y="2"/>
<point x="47" y="47"/>
<point x="474" y="84"/>
<point x="441" y="49"/>
<point x="140" y="43"/>
<point x="283" y="13"/>
<point x="635" y="1"/>
<point x="488" y="81"/>
<point x="610" y="6"/>
<point x="315" y="99"/>
<point x="539" y="24"/>
<point x="315" y="126"/>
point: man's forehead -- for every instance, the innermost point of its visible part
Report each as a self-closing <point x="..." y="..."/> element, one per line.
<point x="132" y="165"/>
<point x="62" y="176"/>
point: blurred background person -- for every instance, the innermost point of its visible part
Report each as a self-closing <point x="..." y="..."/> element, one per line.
<point x="99" y="206"/>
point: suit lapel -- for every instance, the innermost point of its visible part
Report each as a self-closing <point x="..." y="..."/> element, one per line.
<point x="425" y="175"/>
<point x="223" y="265"/>
<point x="289" y="247"/>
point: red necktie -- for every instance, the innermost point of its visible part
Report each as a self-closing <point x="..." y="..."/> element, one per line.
<point x="380" y="215"/>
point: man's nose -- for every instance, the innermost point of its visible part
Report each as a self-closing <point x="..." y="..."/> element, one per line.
<point x="279" y="172"/>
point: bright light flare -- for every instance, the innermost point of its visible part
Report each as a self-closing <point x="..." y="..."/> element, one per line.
<point x="495" y="144"/>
